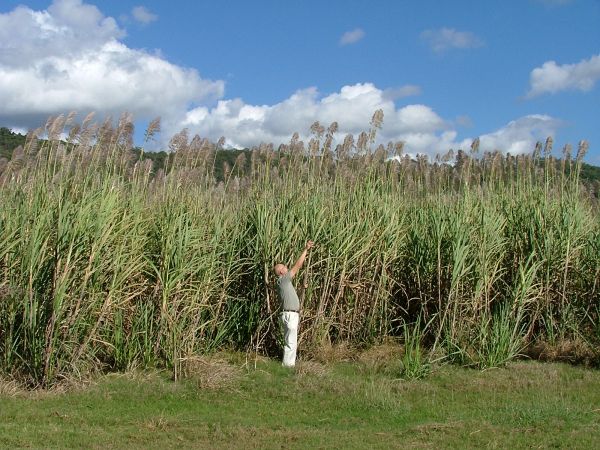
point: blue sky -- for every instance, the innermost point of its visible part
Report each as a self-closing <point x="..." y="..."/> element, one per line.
<point x="510" y="72"/>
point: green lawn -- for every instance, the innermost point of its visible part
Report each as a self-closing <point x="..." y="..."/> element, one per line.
<point x="249" y="404"/>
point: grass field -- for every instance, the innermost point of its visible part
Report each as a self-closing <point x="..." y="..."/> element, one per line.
<point x="107" y="265"/>
<point x="232" y="401"/>
<point x="468" y="260"/>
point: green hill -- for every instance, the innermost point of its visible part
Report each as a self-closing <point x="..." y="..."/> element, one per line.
<point x="9" y="141"/>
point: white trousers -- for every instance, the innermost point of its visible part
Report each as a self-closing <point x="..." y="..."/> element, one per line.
<point x="289" y="322"/>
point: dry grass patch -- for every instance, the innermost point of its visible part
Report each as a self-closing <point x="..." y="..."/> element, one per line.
<point x="311" y="368"/>
<point x="387" y="351"/>
<point x="380" y="358"/>
<point x="211" y="372"/>
<point x="328" y="353"/>
<point x="9" y="388"/>
<point x="575" y="351"/>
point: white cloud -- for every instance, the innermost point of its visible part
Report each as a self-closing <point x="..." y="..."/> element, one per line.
<point x="520" y="136"/>
<point x="69" y="57"/>
<point x="552" y="78"/>
<point x="422" y="130"/>
<point x="68" y="28"/>
<point x="448" y="38"/>
<point x="142" y="15"/>
<point x="419" y="126"/>
<point x="114" y="78"/>
<point x="351" y="37"/>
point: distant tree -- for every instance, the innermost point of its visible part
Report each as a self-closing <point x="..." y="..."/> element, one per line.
<point x="9" y="141"/>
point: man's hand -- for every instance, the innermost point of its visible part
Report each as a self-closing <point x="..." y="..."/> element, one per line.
<point x="294" y="270"/>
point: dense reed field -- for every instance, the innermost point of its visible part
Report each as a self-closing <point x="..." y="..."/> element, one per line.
<point x="105" y="265"/>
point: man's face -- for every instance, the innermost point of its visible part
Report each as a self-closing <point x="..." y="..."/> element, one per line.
<point x="281" y="269"/>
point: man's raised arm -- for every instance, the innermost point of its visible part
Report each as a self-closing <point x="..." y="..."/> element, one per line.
<point x="294" y="270"/>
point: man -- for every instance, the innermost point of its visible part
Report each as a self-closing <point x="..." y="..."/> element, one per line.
<point x="290" y="316"/>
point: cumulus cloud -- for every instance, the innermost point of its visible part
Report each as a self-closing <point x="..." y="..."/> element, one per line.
<point x="68" y="28"/>
<point x="520" y="136"/>
<point x="69" y="57"/>
<point x="552" y="77"/>
<point x="421" y="129"/>
<point x="419" y="126"/>
<point x="142" y="15"/>
<point x="448" y="38"/>
<point x="352" y="37"/>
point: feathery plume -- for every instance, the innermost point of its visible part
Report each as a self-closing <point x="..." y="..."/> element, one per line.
<point x="87" y="120"/>
<point x="18" y="154"/>
<point x="361" y="144"/>
<point x="582" y="150"/>
<point x="196" y="144"/>
<point x="448" y="156"/>
<point x="313" y="147"/>
<point x="317" y="129"/>
<point x="379" y="155"/>
<point x="548" y="146"/>
<point x="56" y="128"/>
<point x="333" y="128"/>
<point x="179" y="141"/>
<point x="389" y="149"/>
<point x="475" y="145"/>
<point x="70" y="118"/>
<point x="152" y="130"/>
<point x="567" y="151"/>
<point x="399" y="148"/>
<point x="537" y="151"/>
<point x="347" y="147"/>
<point x="74" y="133"/>
<point x="105" y="132"/>
<point x="31" y="141"/>
<point x="376" y="123"/>
<point x="125" y="130"/>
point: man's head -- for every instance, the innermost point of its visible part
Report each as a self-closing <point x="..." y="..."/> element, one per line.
<point x="280" y="269"/>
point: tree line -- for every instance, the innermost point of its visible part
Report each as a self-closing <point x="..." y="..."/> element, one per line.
<point x="225" y="160"/>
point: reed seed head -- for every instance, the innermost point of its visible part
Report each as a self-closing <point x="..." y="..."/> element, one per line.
<point x="582" y="150"/>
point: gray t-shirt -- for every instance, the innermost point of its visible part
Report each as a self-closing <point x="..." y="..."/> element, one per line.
<point x="287" y="293"/>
